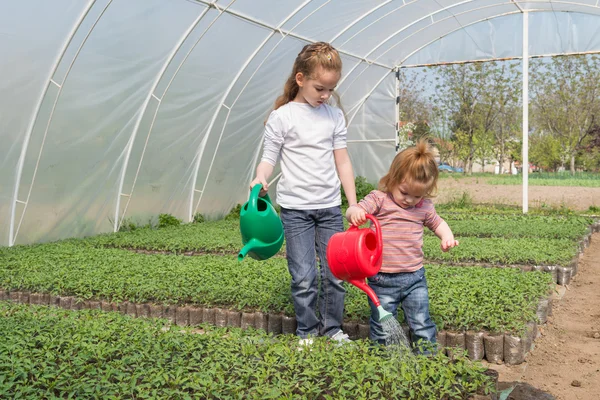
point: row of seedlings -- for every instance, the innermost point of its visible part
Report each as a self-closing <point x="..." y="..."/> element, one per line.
<point x="494" y="347"/>
<point x="561" y="274"/>
<point x="509" y="348"/>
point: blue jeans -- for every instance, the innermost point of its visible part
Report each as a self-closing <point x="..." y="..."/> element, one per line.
<point x="409" y="290"/>
<point x="307" y="233"/>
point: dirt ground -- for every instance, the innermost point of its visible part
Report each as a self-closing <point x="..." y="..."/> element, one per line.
<point x="566" y="359"/>
<point x="576" y="198"/>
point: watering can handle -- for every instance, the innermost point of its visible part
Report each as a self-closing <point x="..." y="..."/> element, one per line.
<point x="378" y="253"/>
<point x="254" y="196"/>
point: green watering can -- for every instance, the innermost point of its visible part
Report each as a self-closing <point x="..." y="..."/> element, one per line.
<point x="260" y="226"/>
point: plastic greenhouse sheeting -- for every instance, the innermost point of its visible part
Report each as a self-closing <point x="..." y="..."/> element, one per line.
<point x="113" y="109"/>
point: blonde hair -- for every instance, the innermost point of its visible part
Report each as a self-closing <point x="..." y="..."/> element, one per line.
<point x="311" y="57"/>
<point x="414" y="166"/>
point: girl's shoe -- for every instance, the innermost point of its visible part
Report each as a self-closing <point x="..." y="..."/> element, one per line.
<point x="304" y="343"/>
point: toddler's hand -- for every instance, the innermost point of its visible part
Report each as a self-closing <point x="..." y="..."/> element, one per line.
<point x="263" y="182"/>
<point x="356" y="215"/>
<point x="447" y="244"/>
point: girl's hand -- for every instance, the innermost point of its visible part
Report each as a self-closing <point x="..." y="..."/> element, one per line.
<point x="356" y="215"/>
<point x="263" y="182"/>
<point x="447" y="244"/>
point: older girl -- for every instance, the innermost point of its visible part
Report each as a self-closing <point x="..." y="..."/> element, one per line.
<point x="308" y="137"/>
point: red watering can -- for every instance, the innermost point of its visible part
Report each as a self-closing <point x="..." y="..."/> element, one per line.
<point x="355" y="255"/>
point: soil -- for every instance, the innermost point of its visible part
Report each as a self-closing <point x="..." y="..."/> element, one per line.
<point x="566" y="359"/>
<point x="575" y="198"/>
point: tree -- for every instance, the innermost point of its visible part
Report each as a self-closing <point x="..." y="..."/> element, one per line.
<point x="412" y="106"/>
<point x="507" y="126"/>
<point x="589" y="160"/>
<point x="413" y="109"/>
<point x="445" y="149"/>
<point x="469" y="95"/>
<point x="484" y="147"/>
<point x="589" y="157"/>
<point x="594" y="137"/>
<point x="566" y="100"/>
<point x="515" y="151"/>
<point x="545" y="150"/>
<point x="421" y="131"/>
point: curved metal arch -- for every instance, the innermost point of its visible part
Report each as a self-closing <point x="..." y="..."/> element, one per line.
<point x="477" y="22"/>
<point x="357" y="20"/>
<point x="34" y="117"/>
<point x="430" y="15"/>
<point x="48" y="123"/>
<point x="159" y="76"/>
<point x="405" y="27"/>
<point x="469" y="24"/>
<point x="366" y="97"/>
<point x="450" y="32"/>
<point x="234" y="81"/>
<point x="221" y="11"/>
<point x="292" y="34"/>
<point x="446" y="8"/>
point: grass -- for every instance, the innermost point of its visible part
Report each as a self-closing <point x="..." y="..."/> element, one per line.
<point x="580" y="179"/>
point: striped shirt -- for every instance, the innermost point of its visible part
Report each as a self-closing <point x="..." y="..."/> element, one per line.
<point x="401" y="229"/>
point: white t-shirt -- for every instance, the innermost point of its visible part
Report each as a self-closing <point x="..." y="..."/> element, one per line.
<point x="305" y="137"/>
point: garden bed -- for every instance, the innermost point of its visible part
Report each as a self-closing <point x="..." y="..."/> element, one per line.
<point x="48" y="352"/>
<point x="461" y="297"/>
<point x="221" y="291"/>
<point x="522" y="226"/>
<point x="496" y="347"/>
<point x="470" y="304"/>
<point x="497" y="240"/>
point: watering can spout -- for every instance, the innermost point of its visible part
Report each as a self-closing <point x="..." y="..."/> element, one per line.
<point x="248" y="247"/>
<point x="383" y="315"/>
<point x="362" y="285"/>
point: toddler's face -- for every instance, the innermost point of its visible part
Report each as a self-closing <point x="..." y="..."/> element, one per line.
<point x="317" y="91"/>
<point x="408" y="195"/>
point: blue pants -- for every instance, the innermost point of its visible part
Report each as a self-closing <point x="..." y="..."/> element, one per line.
<point x="307" y="233"/>
<point x="408" y="290"/>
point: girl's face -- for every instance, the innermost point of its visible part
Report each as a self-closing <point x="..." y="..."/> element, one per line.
<point x="316" y="91"/>
<point x="408" y="195"/>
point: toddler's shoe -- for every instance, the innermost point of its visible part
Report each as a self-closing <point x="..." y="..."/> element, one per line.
<point x="341" y="337"/>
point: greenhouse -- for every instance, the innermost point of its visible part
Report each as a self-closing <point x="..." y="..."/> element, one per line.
<point x="136" y="263"/>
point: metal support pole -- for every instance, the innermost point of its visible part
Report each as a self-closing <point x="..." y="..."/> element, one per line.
<point x="525" y="111"/>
